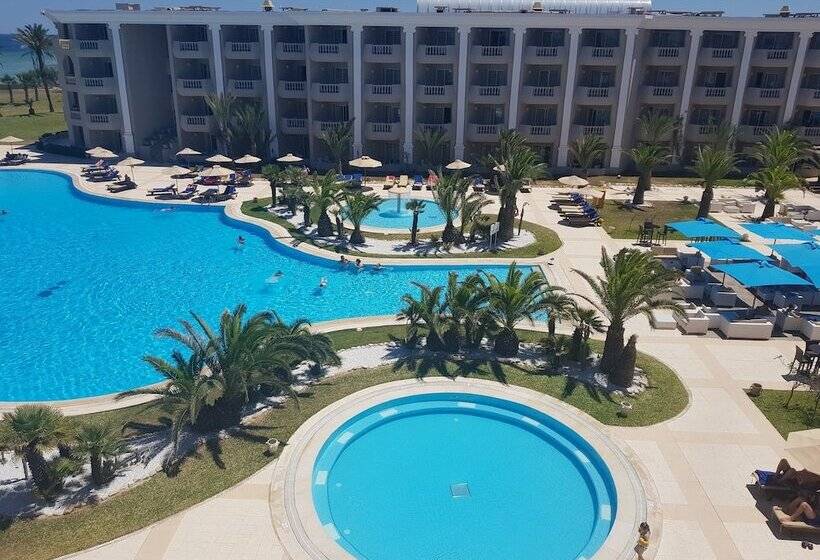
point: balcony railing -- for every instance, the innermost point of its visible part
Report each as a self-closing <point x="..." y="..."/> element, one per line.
<point x="723" y="53"/>
<point x="810" y="131"/>
<point x="382" y="50"/>
<point x="593" y="130"/>
<point x="662" y="91"/>
<point x="193" y="83"/>
<point x="70" y="80"/>
<point x="778" y="54"/>
<point x="294" y="123"/>
<point x="101" y="118"/>
<point x="381" y="127"/>
<point x="75" y="115"/>
<point x="293" y="87"/>
<point x="95" y="82"/>
<point x="86" y="45"/>
<point x="489" y="91"/>
<point x="597" y="92"/>
<point x="707" y="129"/>
<point x="603" y="52"/>
<point x="381" y="89"/>
<point x="244" y="84"/>
<point x="667" y="52"/>
<point x="542" y="91"/>
<point x="241" y="47"/>
<point x="196" y="120"/>
<point x="540" y="130"/>
<point x="486" y="128"/>
<point x="714" y="92"/>
<point x="436" y="50"/>
<point x="546" y="51"/>
<point x="188" y="46"/>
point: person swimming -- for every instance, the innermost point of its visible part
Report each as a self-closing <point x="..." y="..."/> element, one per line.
<point x="359" y="264"/>
<point x="240" y="240"/>
<point x="323" y="282"/>
<point x="379" y="266"/>
<point x="279" y="273"/>
<point x="343" y="260"/>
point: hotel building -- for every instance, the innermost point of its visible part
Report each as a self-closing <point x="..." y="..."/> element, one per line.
<point x="136" y="80"/>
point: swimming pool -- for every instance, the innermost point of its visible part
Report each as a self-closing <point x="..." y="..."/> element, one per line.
<point x="462" y="476"/>
<point x="392" y="214"/>
<point x="86" y="281"/>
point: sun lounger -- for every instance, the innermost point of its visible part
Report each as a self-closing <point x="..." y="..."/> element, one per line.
<point x="785" y="526"/>
<point x="121" y="188"/>
<point x="478" y="184"/>
<point x="582" y="220"/>
<point x="93" y="167"/>
<point x="526" y="187"/>
<point x="160" y="190"/>
<point x="389" y="182"/>
<point x="764" y="480"/>
<point x="418" y="183"/>
<point x="404" y="180"/>
<point x="110" y="176"/>
<point x="432" y="181"/>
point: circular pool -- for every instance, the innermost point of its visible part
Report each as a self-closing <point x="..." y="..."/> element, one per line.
<point x="393" y="214"/>
<point x="448" y="475"/>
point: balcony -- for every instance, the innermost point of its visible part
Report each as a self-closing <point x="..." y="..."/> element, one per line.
<point x="386" y="132"/>
<point x="710" y="95"/>
<point x="321" y="126"/>
<point x="483" y="132"/>
<point x="241" y="50"/>
<point x="664" y="56"/>
<point x="75" y="115"/>
<point x="93" y="47"/>
<point x="291" y="90"/>
<point x="660" y="94"/>
<point x="601" y="55"/>
<point x="329" y="52"/>
<point x="486" y="54"/>
<point x="700" y="132"/>
<point x="764" y="96"/>
<point x="812" y="58"/>
<point x="436" y="54"/>
<point x="719" y="57"/>
<point x="333" y="93"/>
<point x="290" y="125"/>
<point x="753" y="133"/>
<point x="446" y="128"/>
<point x="99" y="85"/>
<point x="539" y="94"/>
<point x="808" y="97"/>
<point x="771" y="57"/>
<point x="810" y="133"/>
<point x="435" y="94"/>
<point x="544" y="55"/>
<point x="197" y="86"/>
<point x="245" y="88"/>
<point x="196" y="123"/>
<point x="290" y="51"/>
<point x="595" y="95"/>
<point x="69" y="80"/>
<point x="489" y="94"/>
<point x="579" y="130"/>
<point x="103" y="121"/>
<point x="539" y="133"/>
<point x="383" y="53"/>
<point x="192" y="49"/>
<point x="383" y="93"/>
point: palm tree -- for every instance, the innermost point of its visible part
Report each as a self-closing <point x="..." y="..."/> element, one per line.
<point x="587" y="321"/>
<point x="646" y="157"/>
<point x="466" y="302"/>
<point x="774" y="182"/>
<point x="712" y="164"/>
<point x="782" y="148"/>
<point x="634" y="283"/>
<point x="274" y="176"/>
<point x="588" y="151"/>
<point x="514" y="299"/>
<point x="36" y="39"/>
<point x="223" y="108"/>
<point x="356" y="208"/>
<point x="338" y="141"/>
<point x="416" y="207"/>
<point x="470" y="211"/>
<point x="26" y="82"/>
<point x="100" y="441"/>
<point x="32" y="429"/>
<point x="515" y="162"/>
<point x="655" y="127"/>
<point x="449" y="194"/>
<point x="426" y="314"/>
<point x="35" y="83"/>
<point x="429" y="144"/>
<point x="9" y="81"/>
<point x="325" y="194"/>
<point x="249" y="129"/>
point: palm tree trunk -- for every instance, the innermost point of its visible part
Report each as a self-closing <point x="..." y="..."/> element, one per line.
<point x="11" y="94"/>
<point x="644" y="182"/>
<point x="613" y="347"/>
<point x="41" y="63"/>
<point x="36" y="92"/>
<point x="706" y="200"/>
<point x="449" y="233"/>
<point x="506" y="343"/>
<point x="414" y="230"/>
<point x="768" y="209"/>
<point x="506" y="219"/>
<point x="551" y="324"/>
<point x="272" y="193"/>
<point x="340" y="229"/>
<point x="96" y="468"/>
<point x="356" y="237"/>
<point x="324" y="227"/>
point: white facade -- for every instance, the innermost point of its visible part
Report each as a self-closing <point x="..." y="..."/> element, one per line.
<point x="137" y="81"/>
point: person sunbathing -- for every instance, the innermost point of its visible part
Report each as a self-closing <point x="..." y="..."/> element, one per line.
<point x="787" y="475"/>
<point x="802" y="509"/>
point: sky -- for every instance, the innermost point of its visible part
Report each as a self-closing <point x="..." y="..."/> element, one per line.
<point x="20" y="12"/>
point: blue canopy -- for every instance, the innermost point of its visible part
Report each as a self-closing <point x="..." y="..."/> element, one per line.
<point x="757" y="274"/>
<point x="728" y="250"/>
<point x="799" y="254"/>
<point x="776" y="230"/>
<point x="701" y="228"/>
<point x="813" y="272"/>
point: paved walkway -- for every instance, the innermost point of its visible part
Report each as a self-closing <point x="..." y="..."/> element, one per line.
<point x="699" y="462"/>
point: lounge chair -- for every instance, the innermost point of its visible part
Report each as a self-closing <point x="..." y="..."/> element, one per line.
<point x="786" y="526"/>
<point x="160" y="190"/>
<point x="389" y="181"/>
<point x="207" y="195"/>
<point x="94" y="167"/>
<point x="478" y="184"/>
<point x="121" y="188"/>
<point x="404" y="180"/>
<point x="526" y="187"/>
<point x="418" y="183"/>
<point x="111" y="175"/>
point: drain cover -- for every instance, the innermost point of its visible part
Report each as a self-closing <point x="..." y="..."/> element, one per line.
<point x="460" y="490"/>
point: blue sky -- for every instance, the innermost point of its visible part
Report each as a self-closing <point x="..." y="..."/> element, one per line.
<point x="20" y="12"/>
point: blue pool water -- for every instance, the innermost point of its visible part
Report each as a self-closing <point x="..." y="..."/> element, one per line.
<point x="462" y="477"/>
<point x="86" y="281"/>
<point x="393" y="214"/>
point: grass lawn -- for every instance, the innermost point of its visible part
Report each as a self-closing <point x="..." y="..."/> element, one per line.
<point x="546" y="240"/>
<point x="599" y="180"/>
<point x="215" y="469"/>
<point x="786" y="420"/>
<point x="622" y="222"/>
<point x="15" y="120"/>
